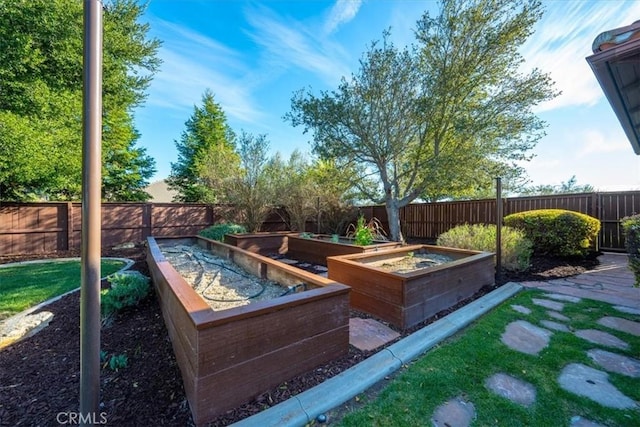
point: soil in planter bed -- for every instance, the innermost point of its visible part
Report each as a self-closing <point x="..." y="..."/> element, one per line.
<point x="39" y="377"/>
<point x="222" y="283"/>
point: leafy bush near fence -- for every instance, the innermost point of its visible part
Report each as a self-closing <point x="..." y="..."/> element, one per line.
<point x="217" y="232"/>
<point x="631" y="228"/>
<point x="126" y="290"/>
<point x="516" y="248"/>
<point x="557" y="232"/>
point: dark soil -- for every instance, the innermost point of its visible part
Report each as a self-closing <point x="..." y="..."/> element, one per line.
<point x="39" y="376"/>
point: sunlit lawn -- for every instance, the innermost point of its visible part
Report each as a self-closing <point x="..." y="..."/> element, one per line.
<point x="26" y="285"/>
<point x="460" y="366"/>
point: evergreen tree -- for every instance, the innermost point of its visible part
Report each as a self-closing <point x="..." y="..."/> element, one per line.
<point x="41" y="99"/>
<point x="206" y="153"/>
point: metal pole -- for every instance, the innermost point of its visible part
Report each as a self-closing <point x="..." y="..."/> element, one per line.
<point x="91" y="204"/>
<point x="499" y="216"/>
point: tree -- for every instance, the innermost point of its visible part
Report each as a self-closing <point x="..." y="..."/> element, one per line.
<point x="250" y="190"/>
<point x="206" y="152"/>
<point x="295" y="190"/>
<point x="568" y="187"/>
<point x="411" y="116"/>
<point x="41" y="102"/>
<point x="335" y="194"/>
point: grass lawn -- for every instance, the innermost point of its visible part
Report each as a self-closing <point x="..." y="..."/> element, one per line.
<point x="460" y="366"/>
<point x="26" y="285"/>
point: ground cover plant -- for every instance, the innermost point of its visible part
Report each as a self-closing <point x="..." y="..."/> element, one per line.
<point x="460" y="366"/>
<point x="26" y="285"/>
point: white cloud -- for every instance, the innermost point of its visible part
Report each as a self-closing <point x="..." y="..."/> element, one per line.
<point x="342" y="12"/>
<point x="595" y="142"/>
<point x="193" y="63"/>
<point x="291" y="43"/>
<point x="563" y="40"/>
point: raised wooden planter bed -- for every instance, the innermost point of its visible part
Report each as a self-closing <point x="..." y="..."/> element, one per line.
<point x="228" y="357"/>
<point x="263" y="243"/>
<point x="406" y="299"/>
<point x="317" y="248"/>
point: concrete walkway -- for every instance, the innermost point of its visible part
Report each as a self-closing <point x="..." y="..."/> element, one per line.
<point x="612" y="282"/>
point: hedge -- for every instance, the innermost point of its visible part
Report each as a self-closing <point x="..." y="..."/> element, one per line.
<point x="631" y="227"/>
<point x="557" y="232"/>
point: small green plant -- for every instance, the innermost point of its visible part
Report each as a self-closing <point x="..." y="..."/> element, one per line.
<point x="631" y="227"/>
<point x="335" y="238"/>
<point x="557" y="232"/>
<point x="217" y="232"/>
<point x="516" y="248"/>
<point x="126" y="290"/>
<point x="103" y="356"/>
<point x="410" y="254"/>
<point x="118" y="361"/>
<point x="364" y="233"/>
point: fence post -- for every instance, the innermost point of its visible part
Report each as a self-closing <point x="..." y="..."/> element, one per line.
<point x="69" y="226"/>
<point x="498" y="225"/>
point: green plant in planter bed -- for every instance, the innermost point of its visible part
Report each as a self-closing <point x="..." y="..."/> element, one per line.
<point x="631" y="227"/>
<point x="363" y="235"/>
<point x="217" y="231"/>
<point x="557" y="232"/>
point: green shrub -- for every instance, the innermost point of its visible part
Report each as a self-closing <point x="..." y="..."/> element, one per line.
<point x="217" y="232"/>
<point x="557" y="232"/>
<point x="127" y="289"/>
<point x="516" y="248"/>
<point x="631" y="227"/>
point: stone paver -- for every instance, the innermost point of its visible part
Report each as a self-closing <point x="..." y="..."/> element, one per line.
<point x="557" y="315"/>
<point x="555" y="326"/>
<point x="593" y="384"/>
<point x="628" y="310"/>
<point x="512" y="388"/>
<point x="369" y="334"/>
<point x="617" y="363"/>
<point x="524" y="337"/>
<point x="620" y="324"/>
<point x="521" y="309"/>
<point x="454" y="413"/>
<point x="320" y="268"/>
<point x="552" y="305"/>
<point x="578" y="421"/>
<point x="562" y="297"/>
<point x="601" y="337"/>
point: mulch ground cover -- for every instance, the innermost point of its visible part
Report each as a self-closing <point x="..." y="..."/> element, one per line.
<point x="40" y="376"/>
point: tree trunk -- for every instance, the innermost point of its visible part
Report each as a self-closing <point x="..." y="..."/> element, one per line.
<point x="393" y="214"/>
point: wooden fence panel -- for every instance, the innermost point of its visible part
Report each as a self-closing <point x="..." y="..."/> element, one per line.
<point x="33" y="228"/>
<point x="612" y="208"/>
<point x="56" y="226"/>
<point x="170" y="220"/>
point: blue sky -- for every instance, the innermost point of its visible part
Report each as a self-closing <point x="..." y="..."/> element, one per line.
<point x="254" y="54"/>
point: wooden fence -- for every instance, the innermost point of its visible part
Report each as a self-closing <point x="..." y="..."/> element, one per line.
<point x="428" y="220"/>
<point x="32" y="228"/>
